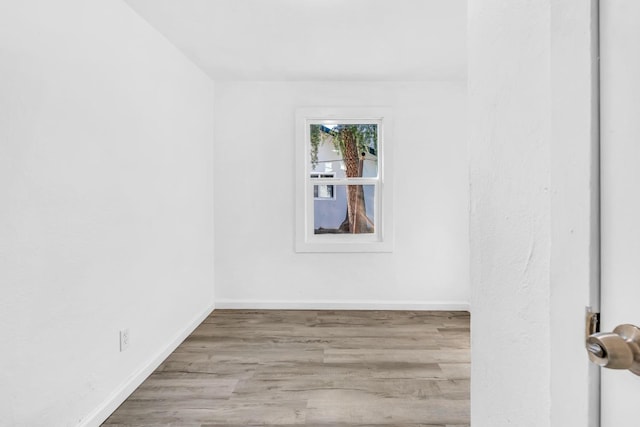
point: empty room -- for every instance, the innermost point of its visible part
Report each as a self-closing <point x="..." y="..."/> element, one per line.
<point x="318" y="213"/>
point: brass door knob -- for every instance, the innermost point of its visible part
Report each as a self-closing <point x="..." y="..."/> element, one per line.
<point x="619" y="349"/>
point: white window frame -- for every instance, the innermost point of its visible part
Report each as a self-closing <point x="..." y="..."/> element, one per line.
<point x="382" y="238"/>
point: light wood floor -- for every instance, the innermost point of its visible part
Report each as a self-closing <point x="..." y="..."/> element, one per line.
<point x="311" y="368"/>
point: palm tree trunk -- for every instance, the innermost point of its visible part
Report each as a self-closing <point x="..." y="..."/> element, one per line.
<point x="356" y="217"/>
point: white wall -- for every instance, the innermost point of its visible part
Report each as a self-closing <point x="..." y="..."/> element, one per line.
<point x="534" y="211"/>
<point x="510" y="120"/>
<point x="106" y="186"/>
<point x="256" y="265"/>
<point x="575" y="263"/>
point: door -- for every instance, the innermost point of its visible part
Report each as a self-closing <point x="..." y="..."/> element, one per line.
<point x="620" y="196"/>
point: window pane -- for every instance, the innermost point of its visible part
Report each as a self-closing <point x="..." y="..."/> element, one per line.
<point x="351" y="211"/>
<point x="346" y="150"/>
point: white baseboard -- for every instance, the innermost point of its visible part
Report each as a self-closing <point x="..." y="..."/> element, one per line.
<point x="102" y="412"/>
<point x="343" y="305"/>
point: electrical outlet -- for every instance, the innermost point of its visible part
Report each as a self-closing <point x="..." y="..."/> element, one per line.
<point x="124" y="339"/>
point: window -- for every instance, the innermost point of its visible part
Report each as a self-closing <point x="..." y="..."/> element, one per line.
<point x="343" y="186"/>
<point x="326" y="191"/>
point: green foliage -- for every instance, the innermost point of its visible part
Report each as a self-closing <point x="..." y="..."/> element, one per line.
<point x="365" y="135"/>
<point x="316" y="139"/>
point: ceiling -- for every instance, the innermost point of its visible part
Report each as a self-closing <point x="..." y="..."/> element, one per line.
<point x="350" y="40"/>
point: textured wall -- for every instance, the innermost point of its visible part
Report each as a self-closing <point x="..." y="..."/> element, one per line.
<point x="509" y="112"/>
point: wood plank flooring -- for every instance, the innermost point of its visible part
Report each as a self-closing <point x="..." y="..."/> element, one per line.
<point x="311" y="368"/>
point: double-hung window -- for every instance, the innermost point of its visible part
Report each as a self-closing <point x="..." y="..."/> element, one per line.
<point x="344" y="198"/>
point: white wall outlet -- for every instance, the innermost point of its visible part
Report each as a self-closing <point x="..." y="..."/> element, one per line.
<point x="124" y="339"/>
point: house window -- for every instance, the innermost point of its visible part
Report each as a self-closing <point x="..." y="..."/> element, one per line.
<point x="325" y="191"/>
<point x="343" y="180"/>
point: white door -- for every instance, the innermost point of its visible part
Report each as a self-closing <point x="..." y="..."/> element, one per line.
<point x="620" y="196"/>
